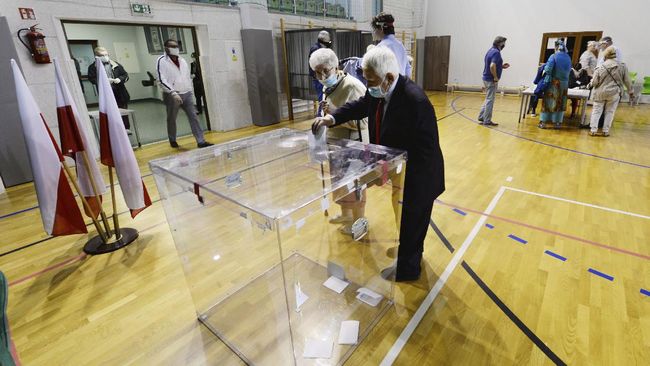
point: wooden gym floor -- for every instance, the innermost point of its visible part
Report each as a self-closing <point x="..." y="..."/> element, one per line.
<point x="540" y="255"/>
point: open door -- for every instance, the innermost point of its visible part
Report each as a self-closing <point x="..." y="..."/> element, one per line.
<point x="436" y="62"/>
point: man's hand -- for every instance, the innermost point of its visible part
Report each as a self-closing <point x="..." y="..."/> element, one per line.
<point x="177" y="99"/>
<point x="496" y="80"/>
<point x="320" y="122"/>
<point x="116" y="81"/>
<point x="325" y="107"/>
<point x="506" y="65"/>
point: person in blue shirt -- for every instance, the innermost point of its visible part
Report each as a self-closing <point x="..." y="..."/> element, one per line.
<point x="534" y="99"/>
<point x="492" y="69"/>
<point x="556" y="72"/>
<point x="383" y="30"/>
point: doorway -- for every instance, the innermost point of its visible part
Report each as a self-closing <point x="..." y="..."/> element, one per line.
<point x="576" y="44"/>
<point x="436" y="64"/>
<point x="137" y="47"/>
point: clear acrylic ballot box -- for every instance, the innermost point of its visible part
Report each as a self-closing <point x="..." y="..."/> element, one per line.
<point x="270" y="275"/>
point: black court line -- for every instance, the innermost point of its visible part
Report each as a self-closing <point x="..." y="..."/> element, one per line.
<point x="441" y="236"/>
<point x="451" y="114"/>
<point x="52" y="237"/>
<point x="513" y="317"/>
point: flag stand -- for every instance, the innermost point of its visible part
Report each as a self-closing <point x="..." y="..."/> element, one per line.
<point x="123" y="236"/>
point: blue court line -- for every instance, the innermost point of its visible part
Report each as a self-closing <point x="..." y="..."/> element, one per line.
<point x="516" y="238"/>
<point x="453" y="106"/>
<point x="489" y="226"/>
<point x="645" y="292"/>
<point x="555" y="255"/>
<point x="460" y="212"/>
<point x="35" y="207"/>
<point x="601" y="274"/>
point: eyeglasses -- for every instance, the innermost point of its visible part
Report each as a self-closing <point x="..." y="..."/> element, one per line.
<point x="324" y="73"/>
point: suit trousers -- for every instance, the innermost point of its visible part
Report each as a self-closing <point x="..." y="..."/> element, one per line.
<point x="190" y="111"/>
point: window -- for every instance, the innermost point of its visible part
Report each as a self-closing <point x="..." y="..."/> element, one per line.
<point x="576" y="43"/>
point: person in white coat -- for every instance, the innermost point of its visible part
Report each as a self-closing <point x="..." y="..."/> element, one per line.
<point x="609" y="83"/>
<point x="176" y="83"/>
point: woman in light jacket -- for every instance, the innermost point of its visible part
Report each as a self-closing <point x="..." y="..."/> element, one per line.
<point x="338" y="89"/>
<point x="609" y="81"/>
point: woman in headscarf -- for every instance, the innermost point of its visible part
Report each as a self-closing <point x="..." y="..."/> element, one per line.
<point x="556" y="72"/>
<point x="610" y="79"/>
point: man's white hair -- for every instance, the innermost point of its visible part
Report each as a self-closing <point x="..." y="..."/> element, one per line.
<point x="325" y="57"/>
<point x="382" y="61"/>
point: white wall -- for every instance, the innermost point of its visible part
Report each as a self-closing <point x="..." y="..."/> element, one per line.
<point x="474" y="24"/>
<point x="217" y="28"/>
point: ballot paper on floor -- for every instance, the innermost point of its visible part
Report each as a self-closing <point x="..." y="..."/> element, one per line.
<point x="335" y="270"/>
<point x="301" y="297"/>
<point x="335" y="284"/>
<point x="368" y="296"/>
<point x="349" y="333"/>
<point x="316" y="348"/>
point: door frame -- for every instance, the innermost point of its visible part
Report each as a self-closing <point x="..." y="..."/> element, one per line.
<point x="575" y="56"/>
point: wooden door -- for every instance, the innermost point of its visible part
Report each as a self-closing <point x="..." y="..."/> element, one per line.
<point x="436" y="62"/>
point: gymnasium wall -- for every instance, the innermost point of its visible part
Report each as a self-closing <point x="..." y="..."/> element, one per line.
<point x="474" y="24"/>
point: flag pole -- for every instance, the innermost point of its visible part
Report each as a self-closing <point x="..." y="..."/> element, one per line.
<point x="116" y="221"/>
<point x="101" y="233"/>
<point x="84" y="154"/>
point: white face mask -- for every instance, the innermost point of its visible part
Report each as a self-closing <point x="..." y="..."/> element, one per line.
<point x="174" y="51"/>
<point x="105" y="59"/>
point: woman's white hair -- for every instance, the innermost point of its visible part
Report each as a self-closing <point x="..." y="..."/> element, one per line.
<point x="382" y="61"/>
<point x="325" y="57"/>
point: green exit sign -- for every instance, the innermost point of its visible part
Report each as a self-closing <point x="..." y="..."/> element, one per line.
<point x="141" y="9"/>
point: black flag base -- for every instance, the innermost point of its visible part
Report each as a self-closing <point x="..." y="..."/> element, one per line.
<point x="96" y="246"/>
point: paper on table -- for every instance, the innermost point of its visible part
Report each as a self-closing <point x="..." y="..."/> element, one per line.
<point x="315" y="348"/>
<point x="335" y="284"/>
<point x="349" y="333"/>
<point x="368" y="296"/>
<point x="301" y="297"/>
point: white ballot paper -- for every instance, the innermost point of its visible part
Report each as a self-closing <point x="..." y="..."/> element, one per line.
<point x="349" y="333"/>
<point x="369" y="297"/>
<point x="315" y="348"/>
<point x="301" y="297"/>
<point x="335" y="284"/>
<point x="318" y="145"/>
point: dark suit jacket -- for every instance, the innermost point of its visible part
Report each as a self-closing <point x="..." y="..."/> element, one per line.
<point x="409" y="124"/>
<point x="121" y="94"/>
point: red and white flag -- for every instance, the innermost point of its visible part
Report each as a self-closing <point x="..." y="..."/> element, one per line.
<point x="74" y="141"/>
<point x="59" y="210"/>
<point x="115" y="148"/>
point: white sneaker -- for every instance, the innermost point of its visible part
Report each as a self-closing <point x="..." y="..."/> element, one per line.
<point x="340" y="219"/>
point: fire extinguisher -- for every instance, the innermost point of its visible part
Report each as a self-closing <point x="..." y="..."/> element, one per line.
<point x="36" y="46"/>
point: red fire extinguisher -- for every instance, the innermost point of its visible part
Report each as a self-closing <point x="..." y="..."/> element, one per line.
<point x="36" y="46"/>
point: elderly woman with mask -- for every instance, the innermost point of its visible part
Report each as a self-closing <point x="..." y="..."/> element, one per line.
<point x="608" y="82"/>
<point x="556" y="72"/>
<point x="340" y="88"/>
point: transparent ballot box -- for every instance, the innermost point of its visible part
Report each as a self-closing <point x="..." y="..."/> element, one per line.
<point x="269" y="272"/>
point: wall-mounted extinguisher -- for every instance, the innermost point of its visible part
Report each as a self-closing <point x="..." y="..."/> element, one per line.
<point x="36" y="46"/>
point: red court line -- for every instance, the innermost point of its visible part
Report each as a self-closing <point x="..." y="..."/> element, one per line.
<point x="552" y="232"/>
<point x="64" y="263"/>
<point x="50" y="268"/>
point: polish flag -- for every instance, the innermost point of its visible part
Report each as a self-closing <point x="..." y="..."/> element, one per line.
<point x="74" y="140"/>
<point x="115" y="148"/>
<point x="59" y="210"/>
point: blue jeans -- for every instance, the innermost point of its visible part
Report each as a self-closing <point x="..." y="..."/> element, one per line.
<point x="319" y="91"/>
<point x="486" y="109"/>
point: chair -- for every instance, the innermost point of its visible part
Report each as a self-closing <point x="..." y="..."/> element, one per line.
<point x="633" y="77"/>
<point x="646" y="86"/>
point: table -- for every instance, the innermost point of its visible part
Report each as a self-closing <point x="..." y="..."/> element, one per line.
<point x="94" y="116"/>
<point x="581" y="94"/>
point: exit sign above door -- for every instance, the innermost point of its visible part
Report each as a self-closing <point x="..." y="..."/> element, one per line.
<point x="141" y="9"/>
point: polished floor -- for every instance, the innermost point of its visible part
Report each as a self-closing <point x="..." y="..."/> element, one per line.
<point x="539" y="256"/>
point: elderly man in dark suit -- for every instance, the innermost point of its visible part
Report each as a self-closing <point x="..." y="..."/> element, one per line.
<point x="400" y="116"/>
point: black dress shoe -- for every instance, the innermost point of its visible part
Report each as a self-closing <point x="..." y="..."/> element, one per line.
<point x="204" y="144"/>
<point x="173" y="144"/>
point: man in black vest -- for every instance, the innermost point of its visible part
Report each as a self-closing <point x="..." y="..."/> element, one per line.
<point x="400" y="116"/>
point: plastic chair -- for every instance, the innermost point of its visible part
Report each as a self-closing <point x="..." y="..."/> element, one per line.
<point x="633" y="77"/>
<point x="646" y="86"/>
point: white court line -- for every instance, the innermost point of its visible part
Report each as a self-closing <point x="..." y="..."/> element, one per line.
<point x="395" y="350"/>
<point x="579" y="203"/>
